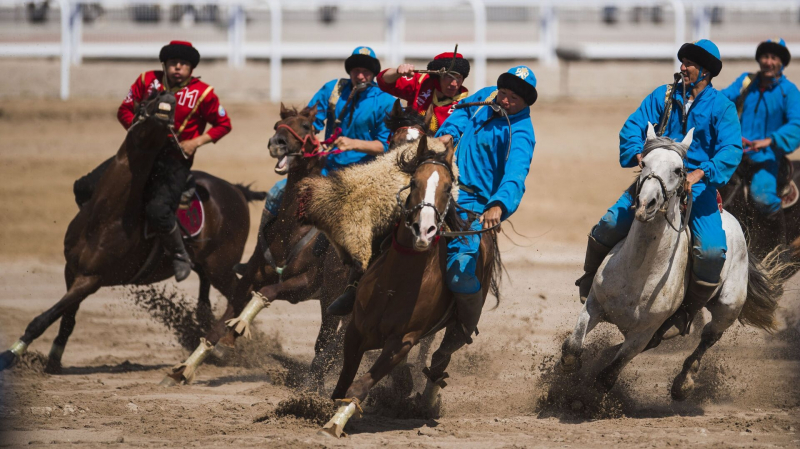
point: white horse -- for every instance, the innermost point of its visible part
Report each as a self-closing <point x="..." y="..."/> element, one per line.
<point x="643" y="279"/>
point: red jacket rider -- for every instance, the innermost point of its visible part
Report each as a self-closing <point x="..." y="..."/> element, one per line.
<point x="425" y="92"/>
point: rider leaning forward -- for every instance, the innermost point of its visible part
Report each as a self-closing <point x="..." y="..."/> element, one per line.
<point x="197" y="105"/>
<point x="711" y="160"/>
<point x="360" y="116"/>
<point x="769" y="109"/>
<point x="431" y="95"/>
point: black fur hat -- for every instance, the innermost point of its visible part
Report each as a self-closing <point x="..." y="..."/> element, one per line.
<point x="444" y="60"/>
<point x="180" y="50"/>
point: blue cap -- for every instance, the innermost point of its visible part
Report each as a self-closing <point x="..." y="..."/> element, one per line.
<point x="521" y="81"/>
<point x="703" y="52"/>
<point x="776" y="46"/>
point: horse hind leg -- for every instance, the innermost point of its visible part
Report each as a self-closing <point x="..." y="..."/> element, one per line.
<point x="572" y="348"/>
<point x="722" y="317"/>
<point x="81" y="288"/>
<point x="326" y="348"/>
<point x="454" y="339"/>
<point x="59" y="344"/>
<point x="634" y="344"/>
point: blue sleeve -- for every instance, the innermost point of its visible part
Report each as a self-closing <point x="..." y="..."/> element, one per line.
<point x="633" y="132"/>
<point x="380" y="132"/>
<point x="787" y="137"/>
<point x="457" y="123"/>
<point x="719" y="169"/>
<point x="732" y="92"/>
<point x="321" y="99"/>
<point x="512" y="187"/>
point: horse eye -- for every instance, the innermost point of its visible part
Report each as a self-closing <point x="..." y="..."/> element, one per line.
<point x="643" y="165"/>
<point x="306" y="126"/>
<point x="678" y="171"/>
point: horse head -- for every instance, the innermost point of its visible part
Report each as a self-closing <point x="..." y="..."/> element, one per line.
<point x="430" y="198"/>
<point x="405" y="125"/>
<point x="154" y="116"/>
<point x="663" y="174"/>
<point x="294" y="137"/>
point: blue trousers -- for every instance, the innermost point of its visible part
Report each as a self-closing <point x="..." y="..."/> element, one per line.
<point x="708" y="245"/>
<point x="462" y="252"/>
<point x="764" y="186"/>
<point x="275" y="197"/>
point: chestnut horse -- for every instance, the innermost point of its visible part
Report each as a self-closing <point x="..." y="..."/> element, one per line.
<point x="105" y="243"/>
<point x="291" y="262"/>
<point x="402" y="296"/>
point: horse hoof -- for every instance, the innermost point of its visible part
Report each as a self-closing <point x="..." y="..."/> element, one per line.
<point x="682" y="389"/>
<point x="328" y="433"/>
<point x="576" y="406"/>
<point x="570" y="364"/>
<point x="169" y="382"/>
<point x="7" y="360"/>
<point x="53" y="367"/>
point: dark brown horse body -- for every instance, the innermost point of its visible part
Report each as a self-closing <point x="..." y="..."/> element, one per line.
<point x="763" y="236"/>
<point x="105" y="244"/>
<point x="402" y="297"/>
<point x="302" y="262"/>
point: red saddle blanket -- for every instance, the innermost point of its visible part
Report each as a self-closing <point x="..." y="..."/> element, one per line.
<point x="191" y="217"/>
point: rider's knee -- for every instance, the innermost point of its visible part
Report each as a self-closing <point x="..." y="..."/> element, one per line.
<point x="708" y="261"/>
<point x="462" y="281"/>
<point x="608" y="231"/>
<point x="766" y="203"/>
<point x="159" y="217"/>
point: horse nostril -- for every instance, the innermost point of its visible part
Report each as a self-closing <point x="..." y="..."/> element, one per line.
<point x="651" y="204"/>
<point x="415" y="229"/>
<point x="431" y="230"/>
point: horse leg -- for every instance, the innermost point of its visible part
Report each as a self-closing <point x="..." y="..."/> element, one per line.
<point x="394" y="352"/>
<point x="722" y="317"/>
<point x="454" y="339"/>
<point x="424" y="349"/>
<point x="59" y="344"/>
<point x="572" y="348"/>
<point x="82" y="287"/>
<point x="634" y="343"/>
<point x="203" y="313"/>
<point x="324" y="352"/>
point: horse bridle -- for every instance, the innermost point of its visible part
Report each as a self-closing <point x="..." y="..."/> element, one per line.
<point x="142" y="115"/>
<point x="668" y="195"/>
<point x="310" y="137"/>
<point x="440" y="216"/>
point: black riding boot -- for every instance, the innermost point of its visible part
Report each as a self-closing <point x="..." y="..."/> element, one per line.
<point x="697" y="296"/>
<point x="343" y="305"/>
<point x="596" y="252"/>
<point x="468" y="308"/>
<point x="181" y="262"/>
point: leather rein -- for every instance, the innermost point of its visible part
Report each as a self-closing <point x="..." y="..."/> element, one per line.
<point x="669" y="194"/>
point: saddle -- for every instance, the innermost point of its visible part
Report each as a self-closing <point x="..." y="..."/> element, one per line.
<point x="190" y="214"/>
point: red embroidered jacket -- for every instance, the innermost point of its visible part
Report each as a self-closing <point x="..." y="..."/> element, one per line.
<point x="196" y="106"/>
<point x="420" y="91"/>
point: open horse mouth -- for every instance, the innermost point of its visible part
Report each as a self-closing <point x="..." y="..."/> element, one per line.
<point x="282" y="167"/>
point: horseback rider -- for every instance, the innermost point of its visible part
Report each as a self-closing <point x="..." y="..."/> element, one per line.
<point x="433" y="96"/>
<point x="711" y="160"/>
<point x="353" y="109"/>
<point x="196" y="106"/>
<point x="769" y="109"/>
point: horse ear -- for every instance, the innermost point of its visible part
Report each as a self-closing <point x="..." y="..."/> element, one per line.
<point x="422" y="148"/>
<point x="651" y="131"/>
<point x="285" y="112"/>
<point x="310" y="112"/>
<point x="397" y="109"/>
<point x="687" y="140"/>
<point x="450" y="152"/>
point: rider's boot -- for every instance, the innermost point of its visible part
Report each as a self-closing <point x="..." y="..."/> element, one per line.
<point x="181" y="262"/>
<point x="596" y="252"/>
<point x="267" y="219"/>
<point x="343" y="305"/>
<point x="697" y="296"/>
<point x="468" y="308"/>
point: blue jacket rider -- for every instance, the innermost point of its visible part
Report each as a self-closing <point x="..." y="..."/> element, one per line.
<point x="491" y="179"/>
<point x="769" y="110"/>
<point x="711" y="160"/>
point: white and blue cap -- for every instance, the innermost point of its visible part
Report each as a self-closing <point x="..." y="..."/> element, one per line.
<point x="777" y="47"/>
<point x="521" y="81"/>
<point x="363" y="57"/>
<point x="703" y="52"/>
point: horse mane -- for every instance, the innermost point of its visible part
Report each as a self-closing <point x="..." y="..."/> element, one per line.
<point x="666" y="143"/>
<point x="409" y="117"/>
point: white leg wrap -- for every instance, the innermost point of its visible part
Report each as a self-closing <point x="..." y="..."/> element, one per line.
<point x="19" y="348"/>
<point x="56" y="352"/>
<point x="430" y="396"/>
<point x="347" y="408"/>
<point x="241" y="325"/>
<point x="194" y="361"/>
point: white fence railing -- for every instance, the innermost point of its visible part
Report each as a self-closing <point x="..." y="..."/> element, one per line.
<point x="238" y="30"/>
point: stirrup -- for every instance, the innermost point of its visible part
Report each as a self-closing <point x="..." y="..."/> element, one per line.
<point x="343" y="305"/>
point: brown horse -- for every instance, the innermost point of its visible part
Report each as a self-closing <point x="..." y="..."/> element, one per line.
<point x="402" y="296"/>
<point x="105" y="243"/>
<point x="764" y="235"/>
<point x="291" y="261"/>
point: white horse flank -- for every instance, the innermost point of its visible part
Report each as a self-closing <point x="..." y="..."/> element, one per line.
<point x="643" y="279"/>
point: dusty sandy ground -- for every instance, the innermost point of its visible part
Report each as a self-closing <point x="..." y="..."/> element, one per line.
<point x="748" y="392"/>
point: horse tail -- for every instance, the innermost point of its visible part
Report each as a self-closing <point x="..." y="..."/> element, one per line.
<point x="251" y="195"/>
<point x="764" y="288"/>
<point x="497" y="271"/>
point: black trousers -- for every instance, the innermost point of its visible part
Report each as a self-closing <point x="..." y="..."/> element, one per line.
<point x="162" y="193"/>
